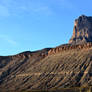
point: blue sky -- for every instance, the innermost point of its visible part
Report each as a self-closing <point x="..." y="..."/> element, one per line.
<point x="35" y="24"/>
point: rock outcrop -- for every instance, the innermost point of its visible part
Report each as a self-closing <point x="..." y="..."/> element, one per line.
<point x="82" y="31"/>
<point x="68" y="47"/>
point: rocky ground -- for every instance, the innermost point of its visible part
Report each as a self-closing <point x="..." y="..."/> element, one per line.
<point x="44" y="70"/>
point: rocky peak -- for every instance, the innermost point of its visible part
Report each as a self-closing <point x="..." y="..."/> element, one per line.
<point x="82" y="31"/>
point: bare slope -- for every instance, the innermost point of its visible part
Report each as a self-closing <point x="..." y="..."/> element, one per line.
<point x="40" y="70"/>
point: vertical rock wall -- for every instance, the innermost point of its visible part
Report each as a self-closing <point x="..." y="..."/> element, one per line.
<point x="82" y="31"/>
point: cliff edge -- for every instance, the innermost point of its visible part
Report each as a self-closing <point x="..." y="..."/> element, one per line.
<point x="82" y="31"/>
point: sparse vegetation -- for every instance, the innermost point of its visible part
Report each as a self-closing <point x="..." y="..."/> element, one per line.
<point x="75" y="89"/>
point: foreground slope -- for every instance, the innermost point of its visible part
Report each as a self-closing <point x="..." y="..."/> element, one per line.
<point x="70" y="66"/>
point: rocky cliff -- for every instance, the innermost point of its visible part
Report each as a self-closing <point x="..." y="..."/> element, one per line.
<point x="82" y="31"/>
<point x="67" y="47"/>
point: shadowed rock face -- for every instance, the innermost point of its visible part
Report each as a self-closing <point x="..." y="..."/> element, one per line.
<point x="82" y="31"/>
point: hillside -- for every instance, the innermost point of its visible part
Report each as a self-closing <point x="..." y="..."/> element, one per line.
<point x="33" y="71"/>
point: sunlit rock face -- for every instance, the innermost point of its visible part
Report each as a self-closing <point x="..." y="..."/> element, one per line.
<point x="82" y="31"/>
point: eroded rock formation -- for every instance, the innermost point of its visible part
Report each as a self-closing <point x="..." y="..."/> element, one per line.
<point x="68" y="47"/>
<point x="82" y="31"/>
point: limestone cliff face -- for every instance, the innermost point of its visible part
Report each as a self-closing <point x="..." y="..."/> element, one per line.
<point x="82" y="31"/>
